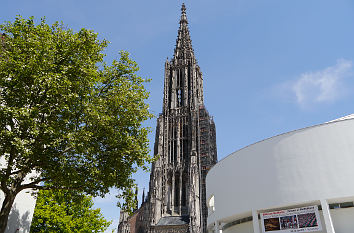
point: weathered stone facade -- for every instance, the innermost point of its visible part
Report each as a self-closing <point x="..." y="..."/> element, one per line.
<point x="186" y="148"/>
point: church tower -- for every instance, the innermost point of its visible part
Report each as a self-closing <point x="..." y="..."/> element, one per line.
<point x="185" y="145"/>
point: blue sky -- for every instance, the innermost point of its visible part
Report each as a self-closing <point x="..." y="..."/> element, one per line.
<point x="268" y="66"/>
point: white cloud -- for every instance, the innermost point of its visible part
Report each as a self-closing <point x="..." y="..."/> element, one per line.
<point x="321" y="86"/>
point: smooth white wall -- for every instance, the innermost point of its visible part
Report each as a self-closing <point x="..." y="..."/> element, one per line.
<point x="297" y="167"/>
<point x="22" y="210"/>
<point x="246" y="227"/>
<point x="21" y="213"/>
<point x="343" y="220"/>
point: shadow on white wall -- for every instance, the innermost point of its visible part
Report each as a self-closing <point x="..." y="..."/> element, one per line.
<point x="18" y="223"/>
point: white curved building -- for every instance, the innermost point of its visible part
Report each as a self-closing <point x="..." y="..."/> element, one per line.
<point x="277" y="185"/>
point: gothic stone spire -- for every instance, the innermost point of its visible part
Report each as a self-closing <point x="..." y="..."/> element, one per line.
<point x="185" y="141"/>
<point x="185" y="144"/>
<point x="183" y="48"/>
<point x="183" y="78"/>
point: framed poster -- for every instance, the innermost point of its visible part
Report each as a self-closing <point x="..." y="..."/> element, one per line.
<point x="304" y="219"/>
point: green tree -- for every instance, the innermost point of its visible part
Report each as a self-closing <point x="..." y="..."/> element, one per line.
<point x="61" y="211"/>
<point x="66" y="117"/>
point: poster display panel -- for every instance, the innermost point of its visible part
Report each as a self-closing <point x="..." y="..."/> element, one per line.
<point x="304" y="219"/>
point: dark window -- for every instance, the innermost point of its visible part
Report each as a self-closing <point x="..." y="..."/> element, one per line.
<point x="346" y="204"/>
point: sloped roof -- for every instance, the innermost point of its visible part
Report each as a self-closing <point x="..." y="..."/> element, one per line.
<point x="173" y="220"/>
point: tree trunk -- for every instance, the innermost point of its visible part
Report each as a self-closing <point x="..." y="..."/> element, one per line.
<point x="5" y="210"/>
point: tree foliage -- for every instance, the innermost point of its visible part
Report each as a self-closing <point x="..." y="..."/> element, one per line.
<point x="63" y="212"/>
<point x="67" y="118"/>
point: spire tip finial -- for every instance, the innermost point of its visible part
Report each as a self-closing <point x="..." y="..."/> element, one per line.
<point x="183" y="8"/>
<point x="183" y="15"/>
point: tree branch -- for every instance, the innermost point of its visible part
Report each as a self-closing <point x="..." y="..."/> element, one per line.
<point x="15" y="172"/>
<point x="7" y="174"/>
<point x="32" y="184"/>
